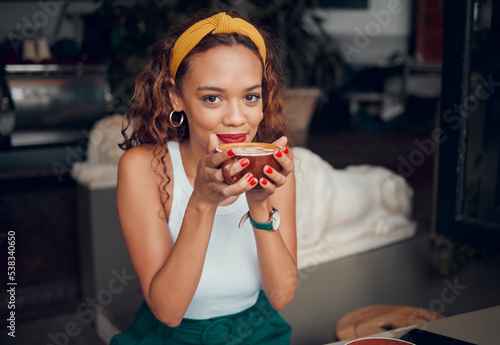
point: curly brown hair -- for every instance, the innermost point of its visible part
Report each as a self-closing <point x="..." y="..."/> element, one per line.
<point x="150" y="105"/>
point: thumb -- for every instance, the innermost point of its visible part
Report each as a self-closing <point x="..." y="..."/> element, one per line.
<point x="213" y="142"/>
<point x="281" y="141"/>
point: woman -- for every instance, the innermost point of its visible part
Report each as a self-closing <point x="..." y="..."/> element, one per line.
<point x="211" y="80"/>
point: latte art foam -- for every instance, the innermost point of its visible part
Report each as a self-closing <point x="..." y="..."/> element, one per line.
<point x="252" y="151"/>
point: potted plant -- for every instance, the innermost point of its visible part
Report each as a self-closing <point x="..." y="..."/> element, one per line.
<point x="313" y="63"/>
<point x="310" y="57"/>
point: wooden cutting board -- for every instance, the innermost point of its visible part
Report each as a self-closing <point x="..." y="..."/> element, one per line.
<point x="379" y="318"/>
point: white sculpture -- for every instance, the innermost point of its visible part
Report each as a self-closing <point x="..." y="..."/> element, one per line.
<point x="341" y="212"/>
<point x="103" y="154"/>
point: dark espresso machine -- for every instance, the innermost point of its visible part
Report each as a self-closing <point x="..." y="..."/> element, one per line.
<point x="48" y="108"/>
<point x="7" y="113"/>
<point x="46" y="114"/>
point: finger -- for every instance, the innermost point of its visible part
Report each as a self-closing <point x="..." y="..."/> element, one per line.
<point x="219" y="176"/>
<point x="275" y="176"/>
<point x="281" y="141"/>
<point x="238" y="166"/>
<point x="285" y="158"/>
<point x="287" y="152"/>
<point x="216" y="159"/>
<point x="213" y="142"/>
<point x="251" y="181"/>
<point x="267" y="185"/>
<point x="244" y="184"/>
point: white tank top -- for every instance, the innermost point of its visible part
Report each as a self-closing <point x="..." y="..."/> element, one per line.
<point x="230" y="281"/>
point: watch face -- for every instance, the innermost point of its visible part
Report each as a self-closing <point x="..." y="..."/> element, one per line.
<point x="275" y="221"/>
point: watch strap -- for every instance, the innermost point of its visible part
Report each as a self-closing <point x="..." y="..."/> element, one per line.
<point x="257" y="225"/>
<point x="261" y="226"/>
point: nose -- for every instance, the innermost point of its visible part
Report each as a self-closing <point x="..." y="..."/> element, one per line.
<point x="235" y="115"/>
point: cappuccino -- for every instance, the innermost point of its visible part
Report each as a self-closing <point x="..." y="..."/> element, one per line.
<point x="258" y="154"/>
<point x="249" y="149"/>
<point x="252" y="151"/>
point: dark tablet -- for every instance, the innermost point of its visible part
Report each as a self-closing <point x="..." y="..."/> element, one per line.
<point x="421" y="337"/>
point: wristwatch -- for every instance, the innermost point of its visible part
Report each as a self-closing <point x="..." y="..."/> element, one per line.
<point x="272" y="225"/>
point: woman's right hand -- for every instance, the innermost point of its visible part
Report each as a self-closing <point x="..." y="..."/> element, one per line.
<point x="209" y="184"/>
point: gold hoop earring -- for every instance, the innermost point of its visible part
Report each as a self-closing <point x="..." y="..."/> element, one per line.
<point x="178" y="124"/>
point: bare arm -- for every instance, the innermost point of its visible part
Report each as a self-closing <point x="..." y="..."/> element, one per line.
<point x="277" y="250"/>
<point x="169" y="273"/>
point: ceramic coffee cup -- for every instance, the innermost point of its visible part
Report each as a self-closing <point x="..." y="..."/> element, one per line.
<point x="258" y="154"/>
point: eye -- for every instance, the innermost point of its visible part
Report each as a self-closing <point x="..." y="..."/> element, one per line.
<point x="210" y="98"/>
<point x="252" y="98"/>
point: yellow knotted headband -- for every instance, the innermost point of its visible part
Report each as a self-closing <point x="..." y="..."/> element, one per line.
<point x="220" y="23"/>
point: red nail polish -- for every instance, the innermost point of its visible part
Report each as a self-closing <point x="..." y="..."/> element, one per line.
<point x="230" y="153"/>
<point x="269" y="170"/>
<point x="253" y="183"/>
<point x="264" y="181"/>
<point x="249" y="177"/>
<point x="279" y="154"/>
<point x="244" y="163"/>
<point x="286" y="150"/>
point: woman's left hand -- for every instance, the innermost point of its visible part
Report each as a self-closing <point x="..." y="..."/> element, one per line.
<point x="274" y="179"/>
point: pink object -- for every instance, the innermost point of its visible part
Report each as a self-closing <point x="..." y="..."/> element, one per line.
<point x="378" y="341"/>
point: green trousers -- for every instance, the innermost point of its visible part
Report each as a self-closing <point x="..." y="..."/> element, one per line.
<point x="259" y="325"/>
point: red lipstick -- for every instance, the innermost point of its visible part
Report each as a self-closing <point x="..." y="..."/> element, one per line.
<point x="232" y="138"/>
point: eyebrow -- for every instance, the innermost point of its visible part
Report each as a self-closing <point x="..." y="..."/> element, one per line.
<point x="218" y="89"/>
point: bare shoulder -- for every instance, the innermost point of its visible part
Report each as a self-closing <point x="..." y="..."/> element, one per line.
<point x="140" y="171"/>
<point x="142" y="178"/>
<point x="138" y="156"/>
<point x="142" y="160"/>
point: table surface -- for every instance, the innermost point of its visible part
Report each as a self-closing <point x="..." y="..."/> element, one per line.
<point x="480" y="327"/>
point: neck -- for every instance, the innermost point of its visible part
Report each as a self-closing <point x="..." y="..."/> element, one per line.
<point x="191" y="154"/>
